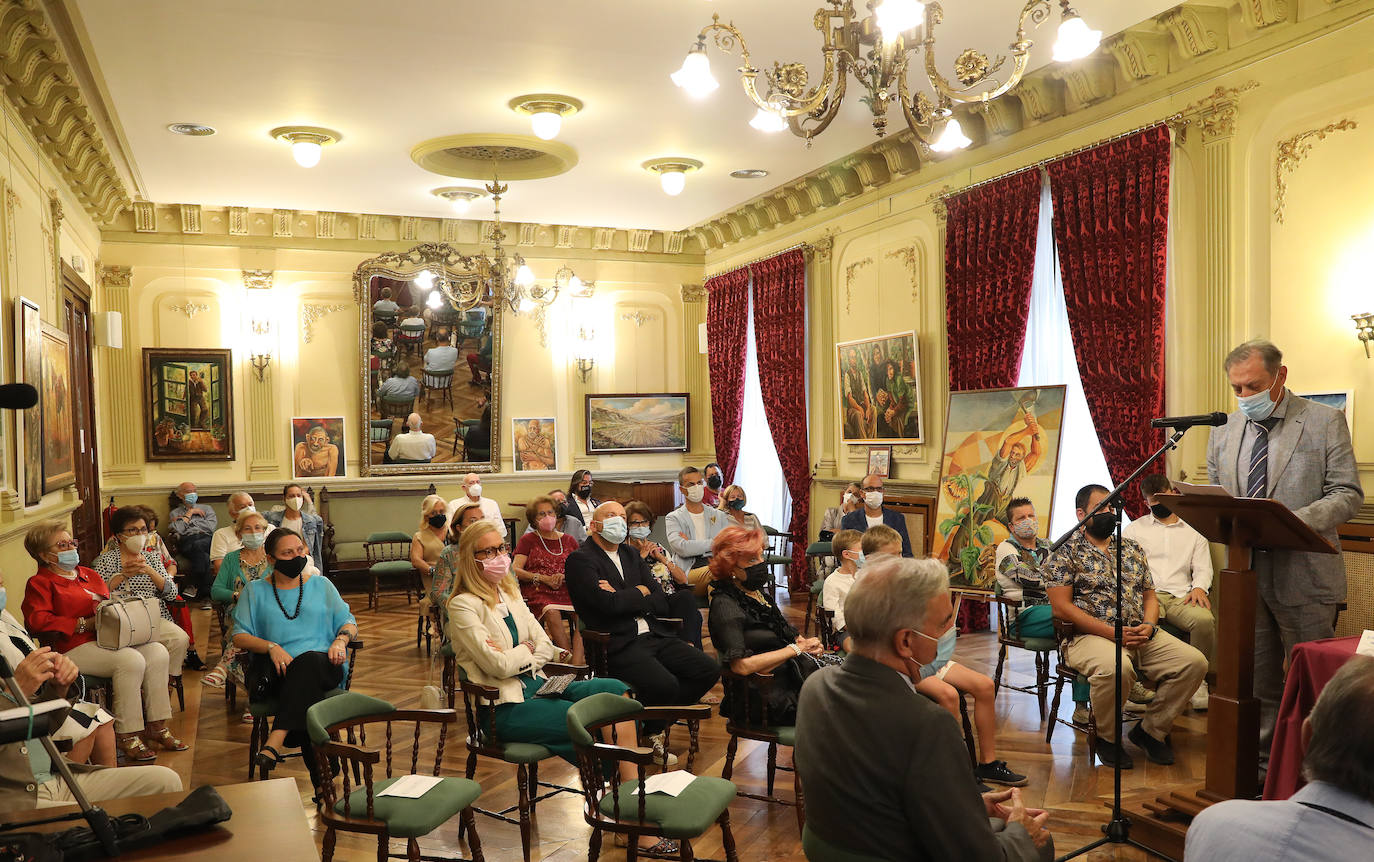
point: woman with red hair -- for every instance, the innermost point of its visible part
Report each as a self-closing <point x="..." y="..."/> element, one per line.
<point x="749" y="632"/>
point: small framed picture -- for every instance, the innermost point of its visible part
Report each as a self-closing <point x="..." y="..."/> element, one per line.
<point x="880" y="461"/>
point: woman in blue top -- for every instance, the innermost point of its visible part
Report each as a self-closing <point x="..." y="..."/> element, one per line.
<point x="303" y="626"/>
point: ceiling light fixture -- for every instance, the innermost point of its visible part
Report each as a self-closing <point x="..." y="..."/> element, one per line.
<point x="672" y="172"/>
<point x="546" y="112"/>
<point x="307" y="142"/>
<point x="459" y="197"/>
<point x="879" y="49"/>
<point x="749" y="174"/>
<point x="952" y="138"/>
<point x="194" y="130"/>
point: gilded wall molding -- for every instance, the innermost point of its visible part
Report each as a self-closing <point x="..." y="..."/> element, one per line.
<point x="693" y="293"/>
<point x="312" y="312"/>
<point x="850" y="273"/>
<point x="913" y="259"/>
<point x="638" y="318"/>
<point x="257" y="279"/>
<point x="116" y="276"/>
<point x="189" y="308"/>
<point x="1216" y="112"/>
<point x="1291" y="152"/>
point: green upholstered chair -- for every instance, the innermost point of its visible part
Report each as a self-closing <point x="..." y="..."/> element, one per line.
<point x="748" y="696"/>
<point x="360" y="809"/>
<point x="262" y="712"/>
<point x="777" y="551"/>
<point x="619" y="809"/>
<point x="395" y="408"/>
<point x="825" y="627"/>
<point x="1009" y="636"/>
<point x="816" y="555"/>
<point x="460" y="427"/>
<point x="817" y="849"/>
<point x="388" y="554"/>
<point x="483" y="741"/>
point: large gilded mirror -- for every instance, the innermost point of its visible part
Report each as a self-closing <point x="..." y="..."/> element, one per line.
<point x="431" y="338"/>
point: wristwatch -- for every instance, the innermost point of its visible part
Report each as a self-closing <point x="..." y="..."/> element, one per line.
<point x="1154" y="630"/>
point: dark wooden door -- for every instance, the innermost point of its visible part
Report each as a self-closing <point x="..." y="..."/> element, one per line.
<point x="86" y="519"/>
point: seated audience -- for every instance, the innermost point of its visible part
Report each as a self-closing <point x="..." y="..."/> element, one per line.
<point x="1181" y="568"/>
<point x="845" y="545"/>
<point x="539" y="560"/>
<point x="872" y="514"/>
<point x="59" y="608"/>
<point x="692" y="527"/>
<point x="441" y="357"/>
<point x="385" y="305"/>
<point x="383" y="345"/>
<point x="1018" y="563"/>
<point x="239" y="568"/>
<point x="445" y="570"/>
<point x="477" y="439"/>
<point x="226" y="538"/>
<point x="400" y="386"/>
<point x="1081" y="582"/>
<point x="1331" y="819"/>
<point x="851" y="499"/>
<point x="714" y="480"/>
<point x="732" y="503"/>
<point x="194" y="526"/>
<point x="682" y="603"/>
<point x="298" y="628"/>
<point x="133" y="570"/>
<point x="566" y="524"/>
<point x="750" y="634"/>
<point x="950" y="681"/>
<point x="581" y="503"/>
<point x="414" y="444"/>
<point x="918" y="798"/>
<point x="491" y="510"/>
<point x="181" y="614"/>
<point x="613" y="591"/>
<point x="479" y="363"/>
<point x="300" y="517"/>
<point x="428" y="542"/>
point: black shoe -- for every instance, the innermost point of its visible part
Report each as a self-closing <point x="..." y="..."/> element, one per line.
<point x="1112" y="754"/>
<point x="193" y="661"/>
<point x="996" y="772"/>
<point x="983" y="788"/>
<point x="266" y="758"/>
<point x="1159" y="751"/>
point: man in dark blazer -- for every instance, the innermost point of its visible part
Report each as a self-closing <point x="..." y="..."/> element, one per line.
<point x="1298" y="452"/>
<point x="862" y="519"/>
<point x="613" y="591"/>
<point x="916" y="795"/>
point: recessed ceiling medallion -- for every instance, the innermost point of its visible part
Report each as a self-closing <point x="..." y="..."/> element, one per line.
<point x="478" y="156"/>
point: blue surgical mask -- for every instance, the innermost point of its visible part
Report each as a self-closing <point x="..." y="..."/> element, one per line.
<point x="944" y="651"/>
<point x="68" y="559"/>
<point x="1257" y="407"/>
<point x="859" y="562"/>
<point x="191" y="498"/>
<point x="613" y="530"/>
<point x="253" y="541"/>
<point x="640" y="533"/>
<point x="3" y="596"/>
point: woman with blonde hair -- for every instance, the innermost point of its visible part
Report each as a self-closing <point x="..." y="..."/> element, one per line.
<point x="732" y="502"/>
<point x="239" y="568"/>
<point x="428" y="542"/>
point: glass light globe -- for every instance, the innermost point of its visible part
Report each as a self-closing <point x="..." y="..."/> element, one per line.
<point x="424" y="280"/>
<point x="524" y="276"/>
<point x="673" y="182"/>
<point x="461" y="204"/>
<point x="952" y="138"/>
<point x="526" y="305"/>
<point x="1075" y="40"/>
<point x="434" y="300"/>
<point x="895" y="17"/>
<point x="695" y="75"/>
<point x="575" y="284"/>
<point x="768" y="121"/>
<point x="545" y="125"/>
<point x="307" y="153"/>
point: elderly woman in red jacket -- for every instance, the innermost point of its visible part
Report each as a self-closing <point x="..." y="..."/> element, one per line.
<point x="59" y="607"/>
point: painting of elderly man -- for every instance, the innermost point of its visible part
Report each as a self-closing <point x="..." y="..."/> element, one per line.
<point x="880" y="390"/>
<point x="535" y="447"/>
<point x="316" y="444"/>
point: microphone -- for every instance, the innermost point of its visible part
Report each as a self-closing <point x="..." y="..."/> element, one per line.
<point x="17" y="396"/>
<point x="1217" y="418"/>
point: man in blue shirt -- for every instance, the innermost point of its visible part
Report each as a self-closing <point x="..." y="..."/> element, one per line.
<point x="194" y="527"/>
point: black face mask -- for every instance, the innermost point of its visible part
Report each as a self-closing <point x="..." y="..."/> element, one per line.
<point x="713" y="483"/>
<point x="756" y="576"/>
<point x="437" y="520"/>
<point x="1102" y="525"/>
<point x="585" y="491"/>
<point x="1161" y="511"/>
<point x="291" y="568"/>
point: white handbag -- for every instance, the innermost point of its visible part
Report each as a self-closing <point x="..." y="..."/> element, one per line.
<point x="124" y="621"/>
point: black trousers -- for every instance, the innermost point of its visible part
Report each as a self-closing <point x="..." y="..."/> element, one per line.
<point x="309" y="677"/>
<point x="663" y="671"/>
<point x="683" y="605"/>
<point x="196" y="548"/>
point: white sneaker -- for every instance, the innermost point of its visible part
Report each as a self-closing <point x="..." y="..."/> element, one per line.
<point x="662" y="756"/>
<point x="1199" y="701"/>
<point x="1080" y="714"/>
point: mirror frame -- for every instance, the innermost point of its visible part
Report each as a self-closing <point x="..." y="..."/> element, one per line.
<point x="444" y="261"/>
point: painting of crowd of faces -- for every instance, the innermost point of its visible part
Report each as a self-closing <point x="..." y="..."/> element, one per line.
<point x="189" y="415"/>
<point x="880" y="390"/>
<point x="536" y="444"/>
<point x="317" y="447"/>
<point x="999" y="444"/>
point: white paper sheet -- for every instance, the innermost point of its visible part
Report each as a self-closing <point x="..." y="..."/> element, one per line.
<point x="411" y="786"/>
<point x="1366" y="645"/>
<point x="1206" y="490"/>
<point x="671" y="783"/>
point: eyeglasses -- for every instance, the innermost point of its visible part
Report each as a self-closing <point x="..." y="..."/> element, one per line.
<point x="867" y="488"/>
<point x="638" y="522"/>
<point x="490" y="553"/>
<point x="68" y="545"/>
<point x="134" y="531"/>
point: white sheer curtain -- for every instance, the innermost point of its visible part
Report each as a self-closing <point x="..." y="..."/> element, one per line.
<point x="1049" y="359"/>
<point x="758" y="471"/>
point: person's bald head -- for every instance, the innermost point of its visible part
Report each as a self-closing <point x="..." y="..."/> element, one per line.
<point x="608" y="509"/>
<point x="186" y="488"/>
<point x="413" y="422"/>
<point x="238" y="501"/>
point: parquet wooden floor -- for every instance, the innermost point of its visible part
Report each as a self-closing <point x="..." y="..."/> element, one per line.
<point x="1061" y="779"/>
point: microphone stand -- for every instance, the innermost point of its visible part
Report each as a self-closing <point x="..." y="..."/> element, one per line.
<point x="1118" y="829"/>
<point x="95" y="816"/>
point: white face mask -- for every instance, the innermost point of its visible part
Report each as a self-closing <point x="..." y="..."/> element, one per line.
<point x="873" y="499"/>
<point x="135" y="544"/>
<point x="294" y="503"/>
<point x="695" y="493"/>
<point x="475" y="490"/>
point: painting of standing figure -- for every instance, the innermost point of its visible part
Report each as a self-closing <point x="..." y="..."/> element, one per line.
<point x="189" y="412"/>
<point x="59" y="447"/>
<point x="880" y="390"/>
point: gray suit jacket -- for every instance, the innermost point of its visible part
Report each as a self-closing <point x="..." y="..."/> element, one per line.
<point x="1311" y="471"/>
<point x="685" y="551"/>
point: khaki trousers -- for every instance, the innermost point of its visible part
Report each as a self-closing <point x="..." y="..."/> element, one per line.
<point x="1175" y="666"/>
<point x="174" y="637"/>
<point x="102" y="784"/>
<point x="700" y="579"/>
<point x="139" y="676"/>
<point x="1196" y="620"/>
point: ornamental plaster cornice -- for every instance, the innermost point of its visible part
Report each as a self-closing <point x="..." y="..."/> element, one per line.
<point x="41" y="85"/>
<point x="1291" y="152"/>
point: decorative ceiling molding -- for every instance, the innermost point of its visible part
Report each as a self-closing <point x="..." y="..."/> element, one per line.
<point x="257" y="279"/>
<point x="116" y="276"/>
<point x="42" y="86"/>
<point x="189" y="308"/>
<point x="1291" y="152"/>
<point x="311" y="313"/>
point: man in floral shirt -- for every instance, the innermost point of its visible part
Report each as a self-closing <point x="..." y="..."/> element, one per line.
<point x="1080" y="579"/>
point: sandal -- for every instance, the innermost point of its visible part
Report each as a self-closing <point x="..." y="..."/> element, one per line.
<point x="163" y="736"/>
<point x="266" y="758"/>
<point x="664" y="848"/>
<point x="130" y="747"/>
<point x="215" y="678"/>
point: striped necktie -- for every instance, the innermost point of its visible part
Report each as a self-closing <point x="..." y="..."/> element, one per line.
<point x="1258" y="481"/>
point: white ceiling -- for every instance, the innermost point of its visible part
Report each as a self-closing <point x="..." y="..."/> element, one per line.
<point x="389" y="75"/>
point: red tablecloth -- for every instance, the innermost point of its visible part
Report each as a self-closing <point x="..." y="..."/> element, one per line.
<point x="1312" y="666"/>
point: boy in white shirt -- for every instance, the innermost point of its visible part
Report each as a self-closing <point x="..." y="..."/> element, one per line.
<point x="844" y="546"/>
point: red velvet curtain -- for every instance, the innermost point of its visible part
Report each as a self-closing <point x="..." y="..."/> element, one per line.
<point x="989" y="264"/>
<point x="780" y="342"/>
<point x="727" y="328"/>
<point x="1111" y="217"/>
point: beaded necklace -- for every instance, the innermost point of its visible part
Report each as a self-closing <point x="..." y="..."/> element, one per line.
<point x="300" y="593"/>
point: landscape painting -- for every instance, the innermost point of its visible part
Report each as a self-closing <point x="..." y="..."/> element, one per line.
<point x="1343" y="401"/>
<point x="59" y="445"/>
<point x="189" y="408"/>
<point x="623" y="424"/>
<point x="880" y="390"/>
<point x="28" y="368"/>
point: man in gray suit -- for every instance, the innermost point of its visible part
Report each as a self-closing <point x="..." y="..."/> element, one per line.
<point x="885" y="769"/>
<point x="1297" y="452"/>
<point x="691" y="528"/>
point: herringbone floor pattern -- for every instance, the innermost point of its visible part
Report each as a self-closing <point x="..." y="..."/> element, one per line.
<point x="1061" y="778"/>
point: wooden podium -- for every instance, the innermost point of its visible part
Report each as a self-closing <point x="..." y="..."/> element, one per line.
<point x="1244" y="525"/>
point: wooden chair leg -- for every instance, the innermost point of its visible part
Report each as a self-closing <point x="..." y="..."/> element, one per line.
<point x="181" y="692"/>
<point x="730" y="757"/>
<point x="684" y="853"/>
<point x="383" y="848"/>
<point x="523" y="780"/>
<point x="474" y="843"/>
<point x="594" y="847"/>
<point x="694" y="745"/>
<point x="1042" y="680"/>
<point x="412" y="850"/>
<point x="727" y="837"/>
<point x="797" y="793"/>
<point x="997" y="674"/>
<point x="1054" y="707"/>
<point x="968" y="729"/>
<point x="329" y="838"/>
<point x="772" y="765"/>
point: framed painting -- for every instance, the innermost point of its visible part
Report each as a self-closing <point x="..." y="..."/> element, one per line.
<point x="1342" y="400"/>
<point x="880" y="390"/>
<point x="879" y="461"/>
<point x="28" y="424"/>
<point x="317" y="447"/>
<point x="536" y="444"/>
<point x="625" y="424"/>
<point x="999" y="444"/>
<point x="59" y="446"/>
<point x="189" y="406"/>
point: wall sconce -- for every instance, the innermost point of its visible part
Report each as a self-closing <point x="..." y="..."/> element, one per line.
<point x="584" y="351"/>
<point x="1364" y="329"/>
<point x="261" y="355"/>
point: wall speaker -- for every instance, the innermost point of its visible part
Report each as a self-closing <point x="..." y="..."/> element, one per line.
<point x="108" y="329"/>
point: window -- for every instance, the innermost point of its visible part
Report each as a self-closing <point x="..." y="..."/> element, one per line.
<point x="757" y="470"/>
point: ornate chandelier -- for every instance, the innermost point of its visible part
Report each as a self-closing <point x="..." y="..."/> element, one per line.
<point x="878" y="50"/>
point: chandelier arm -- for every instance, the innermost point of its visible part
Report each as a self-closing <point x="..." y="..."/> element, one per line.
<point x="923" y="130"/>
<point x="1035" y="11"/>
<point x="822" y="116"/>
<point x="727" y="36"/>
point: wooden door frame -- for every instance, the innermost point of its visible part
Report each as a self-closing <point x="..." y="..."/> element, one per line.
<point x="75" y="289"/>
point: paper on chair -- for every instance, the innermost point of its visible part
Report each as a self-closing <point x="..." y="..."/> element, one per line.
<point x="1205" y="490"/>
<point x="671" y="783"/>
<point x="411" y="786"/>
<point x="1366" y="645"/>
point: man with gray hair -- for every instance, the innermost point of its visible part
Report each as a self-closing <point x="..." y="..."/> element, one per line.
<point x="1331" y="819"/>
<point x="918" y="796"/>
<point x="1298" y="452"/>
<point x="414" y="444"/>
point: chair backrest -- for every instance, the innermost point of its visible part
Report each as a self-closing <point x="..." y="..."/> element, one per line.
<point x="438" y="379"/>
<point x="825" y="627"/>
<point x="817" y="849"/>
<point x="379" y="430"/>
<point x="401" y="408"/>
<point x="596" y="645"/>
<point x="387" y="546"/>
<point x="748" y="696"/>
<point x="585" y="720"/>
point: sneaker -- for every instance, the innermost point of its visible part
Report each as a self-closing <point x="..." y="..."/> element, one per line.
<point x="1111" y="754"/>
<point x="996" y="772"/>
<point x="1158" y="751"/>
<point x="189" y="592"/>
<point x="662" y="756"/>
<point x="1140" y="694"/>
<point x="1199" y="701"/>
<point x="1080" y="713"/>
